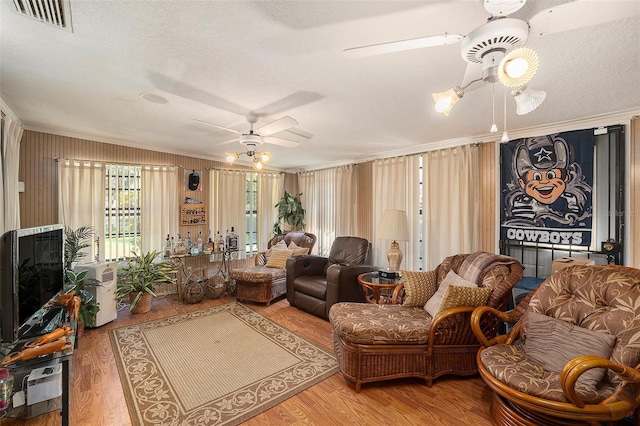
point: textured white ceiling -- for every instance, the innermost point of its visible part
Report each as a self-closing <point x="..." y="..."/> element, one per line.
<point x="218" y="60"/>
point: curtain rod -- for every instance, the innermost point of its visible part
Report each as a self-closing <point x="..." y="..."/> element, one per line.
<point x="244" y="170"/>
<point x="57" y="159"/>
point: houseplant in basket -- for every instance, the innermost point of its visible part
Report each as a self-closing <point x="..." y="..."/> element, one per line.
<point x="290" y="214"/>
<point x="138" y="279"/>
<point x="76" y="240"/>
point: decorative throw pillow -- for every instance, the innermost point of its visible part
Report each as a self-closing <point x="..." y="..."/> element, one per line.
<point x="552" y="343"/>
<point x="419" y="286"/>
<point x="297" y="250"/>
<point x="280" y="245"/>
<point x="433" y="304"/>
<point x="278" y="258"/>
<point x="456" y="296"/>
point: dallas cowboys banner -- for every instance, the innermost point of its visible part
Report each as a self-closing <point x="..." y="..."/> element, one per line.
<point x="546" y="185"/>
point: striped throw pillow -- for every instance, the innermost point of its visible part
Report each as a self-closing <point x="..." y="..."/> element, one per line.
<point x="278" y="258"/>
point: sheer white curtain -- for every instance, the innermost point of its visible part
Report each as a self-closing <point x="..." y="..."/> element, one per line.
<point x="450" y="211"/>
<point x="270" y="189"/>
<point x="306" y="185"/>
<point x="158" y="206"/>
<point x="329" y="199"/>
<point x="346" y="196"/>
<point x="11" y="136"/>
<point x="81" y="196"/>
<point x="397" y="187"/>
<point x="228" y="203"/>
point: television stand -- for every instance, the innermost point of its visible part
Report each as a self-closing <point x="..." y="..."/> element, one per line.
<point x="43" y="322"/>
<point x="20" y="370"/>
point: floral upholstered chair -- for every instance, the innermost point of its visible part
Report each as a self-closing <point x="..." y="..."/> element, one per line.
<point x="267" y="279"/>
<point x="572" y="358"/>
<point x="429" y="334"/>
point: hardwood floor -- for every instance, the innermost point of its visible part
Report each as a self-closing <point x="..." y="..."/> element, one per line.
<point x="97" y="398"/>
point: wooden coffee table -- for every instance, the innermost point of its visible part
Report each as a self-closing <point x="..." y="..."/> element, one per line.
<point x="381" y="290"/>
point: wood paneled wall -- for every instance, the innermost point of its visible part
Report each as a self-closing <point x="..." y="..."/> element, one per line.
<point x="633" y="218"/>
<point x="487" y="209"/>
<point x="38" y="171"/>
<point x="364" y="215"/>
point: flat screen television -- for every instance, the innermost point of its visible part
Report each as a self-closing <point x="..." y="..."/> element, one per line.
<point x="31" y="274"/>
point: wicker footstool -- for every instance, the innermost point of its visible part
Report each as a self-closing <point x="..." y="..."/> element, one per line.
<point x="259" y="283"/>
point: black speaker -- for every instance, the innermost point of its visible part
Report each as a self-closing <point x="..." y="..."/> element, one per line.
<point x="194" y="181"/>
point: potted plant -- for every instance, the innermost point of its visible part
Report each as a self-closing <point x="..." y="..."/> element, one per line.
<point x="138" y="279"/>
<point x="79" y="284"/>
<point x="290" y="214"/>
<point x="74" y="244"/>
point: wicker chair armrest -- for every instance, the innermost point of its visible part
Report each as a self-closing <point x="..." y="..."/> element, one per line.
<point x="261" y="258"/>
<point x="451" y="327"/>
<point x="577" y="366"/>
<point x="476" y="323"/>
<point x="398" y="295"/>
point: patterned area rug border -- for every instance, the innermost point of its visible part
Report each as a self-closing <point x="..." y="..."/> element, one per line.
<point x="151" y="400"/>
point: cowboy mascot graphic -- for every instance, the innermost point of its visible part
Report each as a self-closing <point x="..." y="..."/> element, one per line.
<point x="548" y="189"/>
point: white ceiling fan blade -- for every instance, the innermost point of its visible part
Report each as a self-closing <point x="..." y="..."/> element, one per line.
<point x="216" y="126"/>
<point x="579" y="14"/>
<point x="230" y="141"/>
<point x="503" y="7"/>
<point x="298" y="132"/>
<point x="280" y="141"/>
<point x="277" y="126"/>
<point x="399" y="46"/>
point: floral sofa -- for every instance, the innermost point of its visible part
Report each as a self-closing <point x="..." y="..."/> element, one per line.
<point x="573" y="356"/>
<point x="387" y="341"/>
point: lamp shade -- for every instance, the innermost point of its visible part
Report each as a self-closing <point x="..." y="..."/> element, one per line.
<point x="393" y="226"/>
<point x="518" y="67"/>
<point x="444" y="101"/>
<point x="527" y="100"/>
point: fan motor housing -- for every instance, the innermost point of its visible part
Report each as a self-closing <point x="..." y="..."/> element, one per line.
<point x="250" y="139"/>
<point x="499" y="34"/>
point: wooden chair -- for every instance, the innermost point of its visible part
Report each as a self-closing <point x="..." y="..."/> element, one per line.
<point x="593" y="302"/>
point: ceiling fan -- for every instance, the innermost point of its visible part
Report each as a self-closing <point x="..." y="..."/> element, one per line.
<point x="252" y="140"/>
<point x="494" y="52"/>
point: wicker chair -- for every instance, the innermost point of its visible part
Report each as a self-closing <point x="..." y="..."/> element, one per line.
<point x="601" y="305"/>
<point x="262" y="284"/>
<point x="389" y="341"/>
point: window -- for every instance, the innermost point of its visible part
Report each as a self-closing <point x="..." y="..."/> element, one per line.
<point x="251" y="237"/>
<point x="122" y="210"/>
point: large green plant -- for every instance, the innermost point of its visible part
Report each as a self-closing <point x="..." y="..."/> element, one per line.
<point x="141" y="275"/>
<point x="74" y="243"/>
<point x="88" y="306"/>
<point x="290" y="212"/>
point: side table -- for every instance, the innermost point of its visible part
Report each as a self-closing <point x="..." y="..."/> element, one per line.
<point x="380" y="290"/>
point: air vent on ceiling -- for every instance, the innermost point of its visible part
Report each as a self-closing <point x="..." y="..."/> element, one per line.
<point x="53" y="12"/>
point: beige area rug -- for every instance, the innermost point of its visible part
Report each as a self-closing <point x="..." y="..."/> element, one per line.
<point x="217" y="366"/>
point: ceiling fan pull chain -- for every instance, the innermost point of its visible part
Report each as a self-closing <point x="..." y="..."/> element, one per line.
<point x="505" y="135"/>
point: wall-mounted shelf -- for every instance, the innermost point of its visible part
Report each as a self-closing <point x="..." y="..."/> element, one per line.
<point x="193" y="214"/>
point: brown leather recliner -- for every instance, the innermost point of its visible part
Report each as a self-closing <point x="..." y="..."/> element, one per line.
<point x="315" y="283"/>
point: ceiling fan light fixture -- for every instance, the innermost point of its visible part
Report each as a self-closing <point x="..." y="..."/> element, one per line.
<point x="444" y="101"/>
<point x="518" y="67"/>
<point x="527" y="100"/>
<point x="265" y="157"/>
<point x="230" y="157"/>
<point x="257" y="164"/>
